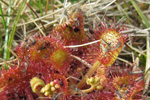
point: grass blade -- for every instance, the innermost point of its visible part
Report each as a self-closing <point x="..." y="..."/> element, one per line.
<point x="146" y="22"/>
<point x="40" y="7"/>
<point x="2" y="16"/>
<point x="14" y="29"/>
<point x="22" y="16"/>
<point x="6" y="24"/>
<point x="7" y="30"/>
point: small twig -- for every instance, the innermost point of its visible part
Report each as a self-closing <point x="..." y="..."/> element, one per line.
<point x="82" y="61"/>
<point x="46" y="25"/>
<point x="37" y="25"/>
<point x="137" y="72"/>
<point x="146" y="80"/>
<point x="14" y="55"/>
<point x="108" y="4"/>
<point x="24" y="30"/>
<point x="134" y="49"/>
<point x="136" y="63"/>
<point x="124" y="61"/>
<point x="47" y="2"/>
<point x="36" y="15"/>
<point x="7" y="62"/>
<point x="147" y="68"/>
<point x="81" y="45"/>
<point x="143" y="1"/>
<point x="64" y="12"/>
<point x="147" y="53"/>
<point x="72" y="77"/>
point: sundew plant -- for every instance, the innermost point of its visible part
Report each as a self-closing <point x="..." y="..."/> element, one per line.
<point x="74" y="50"/>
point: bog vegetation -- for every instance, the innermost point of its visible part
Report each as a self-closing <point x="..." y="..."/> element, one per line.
<point x="82" y="50"/>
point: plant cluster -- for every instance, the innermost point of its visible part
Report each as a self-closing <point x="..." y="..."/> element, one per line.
<point x="69" y="64"/>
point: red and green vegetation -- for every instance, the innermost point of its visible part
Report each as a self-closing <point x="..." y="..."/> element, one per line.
<point x="68" y="62"/>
